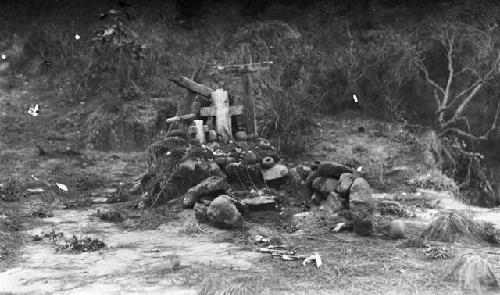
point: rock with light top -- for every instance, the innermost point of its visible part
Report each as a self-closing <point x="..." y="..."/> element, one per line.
<point x="210" y="187"/>
<point x="260" y="203"/>
<point x="278" y="171"/>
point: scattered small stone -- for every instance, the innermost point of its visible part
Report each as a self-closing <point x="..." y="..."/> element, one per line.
<point x="42" y="213"/>
<point x="110" y="216"/>
<point x="434" y="253"/>
<point x="84" y="244"/>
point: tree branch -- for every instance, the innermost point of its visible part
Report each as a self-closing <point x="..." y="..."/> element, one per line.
<point x="469" y="134"/>
<point x="421" y="66"/>
<point x="478" y="85"/>
<point x="450" y="72"/>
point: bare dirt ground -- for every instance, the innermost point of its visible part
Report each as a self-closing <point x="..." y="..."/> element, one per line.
<point x="164" y="251"/>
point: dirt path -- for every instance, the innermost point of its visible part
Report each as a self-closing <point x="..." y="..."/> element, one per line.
<point x="133" y="262"/>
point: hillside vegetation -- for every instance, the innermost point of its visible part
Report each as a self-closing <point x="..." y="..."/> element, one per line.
<point x="99" y="70"/>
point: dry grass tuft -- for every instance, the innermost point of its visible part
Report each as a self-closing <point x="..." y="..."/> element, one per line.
<point x="472" y="271"/>
<point x="235" y="286"/>
<point x="454" y="226"/>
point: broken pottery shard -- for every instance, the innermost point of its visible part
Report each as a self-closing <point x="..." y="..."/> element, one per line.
<point x="267" y="162"/>
<point x="338" y="227"/>
<point x="211" y="186"/>
<point x="333" y="170"/>
<point x="35" y="190"/>
<point x="316" y="258"/>
<point x="346" y="180"/>
<point x="260" y="203"/>
<point x="276" y="172"/>
<point x="62" y="187"/>
<point x="223" y="213"/>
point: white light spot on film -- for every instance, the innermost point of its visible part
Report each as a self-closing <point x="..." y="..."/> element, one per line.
<point x="4" y="57"/>
<point x="77" y="37"/>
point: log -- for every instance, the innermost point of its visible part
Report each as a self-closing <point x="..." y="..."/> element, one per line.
<point x="180" y="118"/>
<point x="248" y="67"/>
<point x="192" y="86"/>
<point x="248" y="99"/>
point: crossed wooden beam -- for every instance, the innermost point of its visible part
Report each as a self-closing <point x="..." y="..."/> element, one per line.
<point x="220" y="108"/>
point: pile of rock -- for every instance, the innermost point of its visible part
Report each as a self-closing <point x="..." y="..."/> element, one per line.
<point x="221" y="181"/>
<point x="341" y="190"/>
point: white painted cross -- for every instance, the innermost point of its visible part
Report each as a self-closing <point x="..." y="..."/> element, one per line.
<point x="222" y="111"/>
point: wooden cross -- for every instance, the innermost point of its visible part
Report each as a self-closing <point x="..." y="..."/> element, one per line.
<point x="222" y="111"/>
<point x="246" y="69"/>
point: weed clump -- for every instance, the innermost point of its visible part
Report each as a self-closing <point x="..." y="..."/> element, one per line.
<point x="471" y="272"/>
<point x="84" y="244"/>
<point x="11" y="189"/>
<point x="456" y="226"/>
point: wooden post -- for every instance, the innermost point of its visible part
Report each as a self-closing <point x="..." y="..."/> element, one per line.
<point x="248" y="98"/>
<point x="220" y="101"/>
<point x="222" y="111"/>
<point x="200" y="133"/>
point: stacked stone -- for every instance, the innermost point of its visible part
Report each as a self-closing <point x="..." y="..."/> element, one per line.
<point x="207" y="171"/>
<point x="342" y="191"/>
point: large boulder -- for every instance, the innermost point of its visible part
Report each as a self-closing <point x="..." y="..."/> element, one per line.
<point x="346" y="180"/>
<point x="334" y="170"/>
<point x="210" y="187"/>
<point x="325" y="185"/>
<point x="223" y="213"/>
<point x="361" y="207"/>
